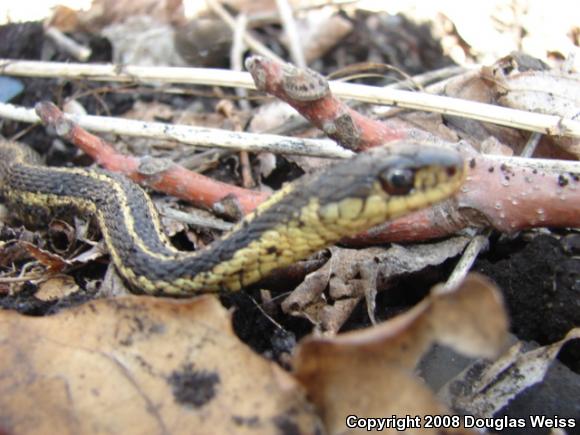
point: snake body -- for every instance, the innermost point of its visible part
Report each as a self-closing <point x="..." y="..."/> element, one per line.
<point x="300" y="219"/>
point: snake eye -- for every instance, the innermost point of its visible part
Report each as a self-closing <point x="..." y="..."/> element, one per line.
<point x="398" y="181"/>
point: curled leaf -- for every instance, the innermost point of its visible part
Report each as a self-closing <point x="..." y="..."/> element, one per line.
<point x="370" y="372"/>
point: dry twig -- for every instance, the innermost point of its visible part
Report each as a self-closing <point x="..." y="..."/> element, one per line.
<point x="548" y="124"/>
<point x="198" y="136"/>
<point x="157" y="173"/>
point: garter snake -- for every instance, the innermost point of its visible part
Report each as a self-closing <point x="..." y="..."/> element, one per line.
<point x="296" y="221"/>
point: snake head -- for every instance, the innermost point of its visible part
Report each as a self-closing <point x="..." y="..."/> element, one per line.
<point x="385" y="183"/>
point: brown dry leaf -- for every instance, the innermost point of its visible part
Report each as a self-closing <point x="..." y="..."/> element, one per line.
<point x="520" y="81"/>
<point x="339" y="275"/>
<point x="56" y="288"/>
<point x="548" y="92"/>
<point x="143" y="40"/>
<point x="13" y="251"/>
<point x="271" y="116"/>
<point x="204" y="42"/>
<point x="141" y="365"/>
<point x="160" y="112"/>
<point x="471" y="86"/>
<point x="150" y="112"/>
<point x="56" y="263"/>
<point x="62" y="237"/>
<point x="351" y="274"/>
<point x="106" y="12"/>
<point x="93" y="253"/>
<point x="64" y="19"/>
<point x="369" y="373"/>
<point x="512" y="83"/>
<point x="482" y="390"/>
<point x="53" y="262"/>
<point x="320" y="31"/>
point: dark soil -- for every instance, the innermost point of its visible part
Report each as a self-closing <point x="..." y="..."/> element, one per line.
<point x="540" y="280"/>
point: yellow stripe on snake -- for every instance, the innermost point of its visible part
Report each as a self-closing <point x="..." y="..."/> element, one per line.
<point x="300" y="219"/>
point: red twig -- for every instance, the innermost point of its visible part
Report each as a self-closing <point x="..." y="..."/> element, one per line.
<point x="308" y="93"/>
<point x="156" y="173"/>
<point x="509" y="194"/>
